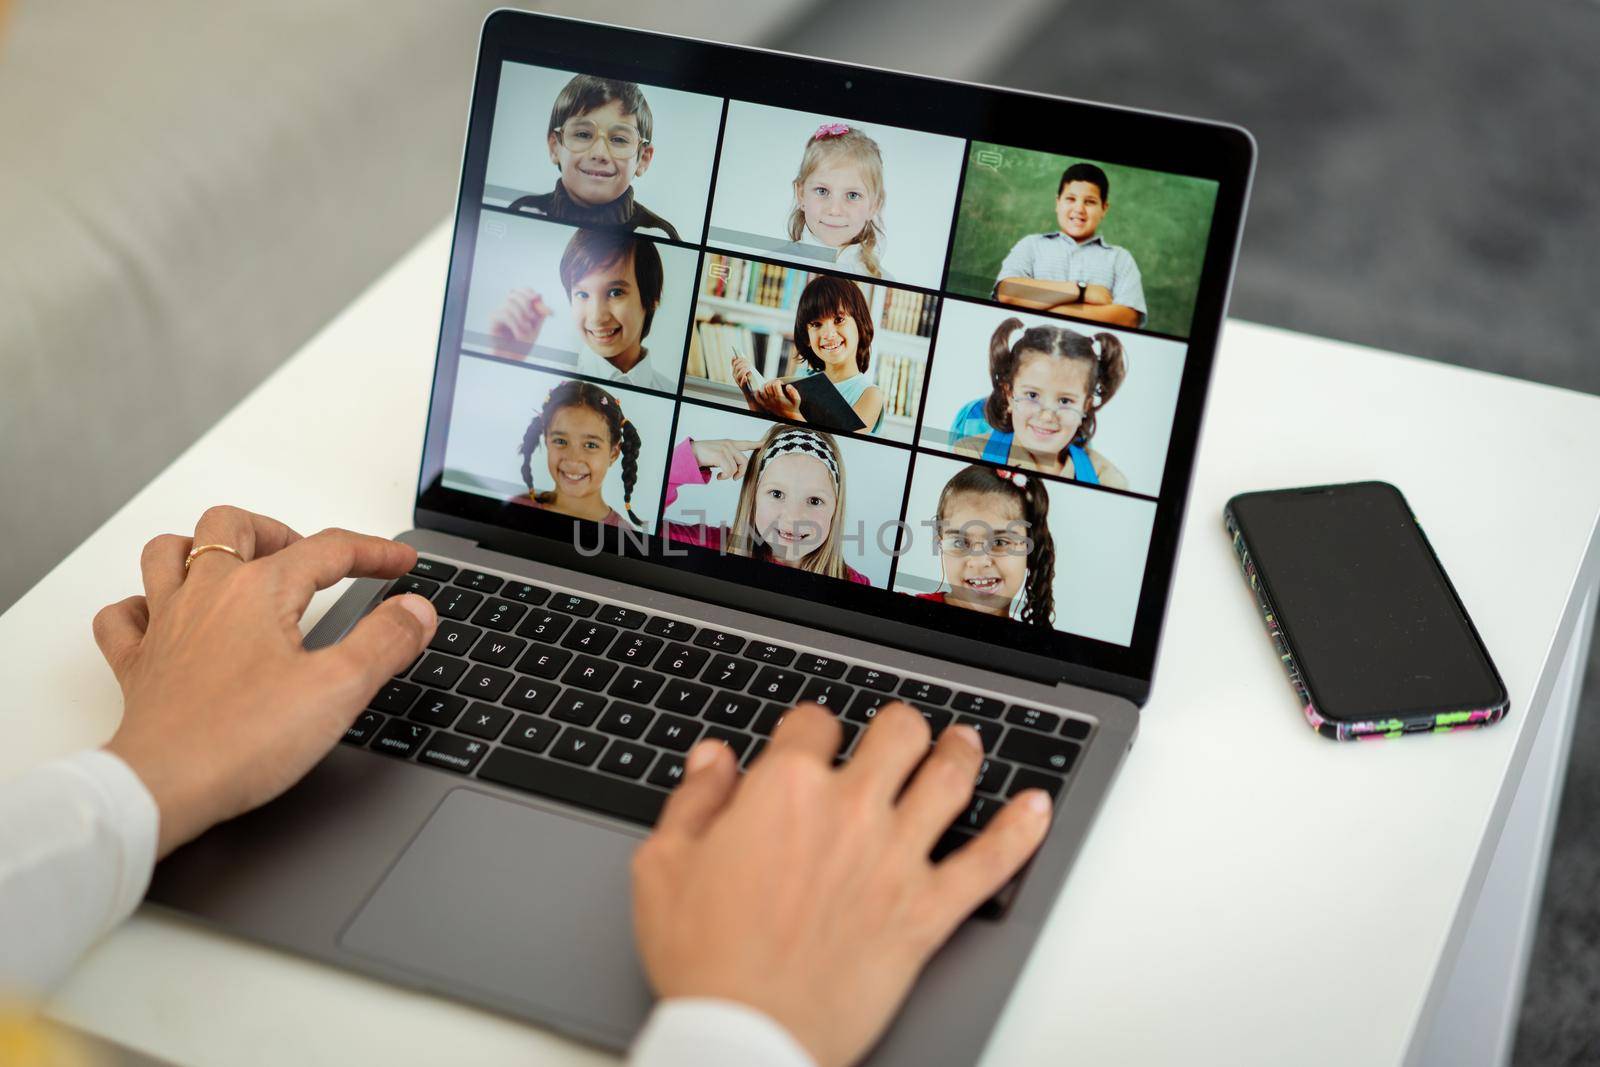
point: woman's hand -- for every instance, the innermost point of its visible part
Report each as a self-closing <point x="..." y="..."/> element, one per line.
<point x="780" y="398"/>
<point x="223" y="709"/>
<point x="515" y="327"/>
<point x="806" y="892"/>
<point x="729" y="458"/>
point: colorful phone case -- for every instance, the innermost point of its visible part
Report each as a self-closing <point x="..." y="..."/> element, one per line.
<point x="1371" y="730"/>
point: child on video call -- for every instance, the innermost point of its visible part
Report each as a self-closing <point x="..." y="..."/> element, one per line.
<point x="599" y="141"/>
<point x="1073" y="270"/>
<point x="994" y="545"/>
<point x="791" y="505"/>
<point x="583" y="431"/>
<point x="833" y="337"/>
<point x="613" y="282"/>
<point x="838" y="199"/>
<point x="1047" y="392"/>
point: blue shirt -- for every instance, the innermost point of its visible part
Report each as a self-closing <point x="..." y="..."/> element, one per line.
<point x="1058" y="258"/>
<point x="970" y="422"/>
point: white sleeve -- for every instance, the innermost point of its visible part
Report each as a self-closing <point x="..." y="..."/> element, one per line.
<point x="703" y="1032"/>
<point x="77" y="845"/>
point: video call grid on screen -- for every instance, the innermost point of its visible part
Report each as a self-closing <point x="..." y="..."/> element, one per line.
<point x="722" y="249"/>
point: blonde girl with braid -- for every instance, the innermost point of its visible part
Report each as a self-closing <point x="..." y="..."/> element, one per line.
<point x="791" y="502"/>
<point x="583" y="431"/>
<point x="996" y="555"/>
<point x="838" y="199"/>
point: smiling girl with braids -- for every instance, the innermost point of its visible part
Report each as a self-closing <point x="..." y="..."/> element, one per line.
<point x="1047" y="392"/>
<point x="994" y="544"/>
<point x="791" y="504"/>
<point x="584" y="431"/>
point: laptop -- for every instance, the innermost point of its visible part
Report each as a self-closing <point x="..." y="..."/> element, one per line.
<point x="1019" y="297"/>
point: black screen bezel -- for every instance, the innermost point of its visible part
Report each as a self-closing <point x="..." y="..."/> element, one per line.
<point x="1218" y="152"/>
<point x="1252" y="510"/>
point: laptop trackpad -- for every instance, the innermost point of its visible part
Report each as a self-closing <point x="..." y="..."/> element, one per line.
<point x="523" y="909"/>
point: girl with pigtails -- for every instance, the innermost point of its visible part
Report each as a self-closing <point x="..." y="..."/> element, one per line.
<point x="996" y="555"/>
<point x="583" y="431"/>
<point x="838" y="200"/>
<point x="1047" y="390"/>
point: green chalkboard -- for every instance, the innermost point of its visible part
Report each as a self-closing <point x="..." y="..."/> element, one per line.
<point x="1162" y="219"/>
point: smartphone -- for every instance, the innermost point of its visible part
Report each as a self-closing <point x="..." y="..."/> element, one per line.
<point x="1375" y="639"/>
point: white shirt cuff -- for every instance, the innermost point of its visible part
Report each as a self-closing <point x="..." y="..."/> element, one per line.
<point x="706" y="1032"/>
<point x="131" y="813"/>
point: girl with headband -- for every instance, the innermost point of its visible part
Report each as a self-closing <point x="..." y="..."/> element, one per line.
<point x="1046" y="393"/>
<point x="791" y="502"/>
<point x="583" y="431"/>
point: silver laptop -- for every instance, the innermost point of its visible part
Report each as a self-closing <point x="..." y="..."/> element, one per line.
<point x="760" y="379"/>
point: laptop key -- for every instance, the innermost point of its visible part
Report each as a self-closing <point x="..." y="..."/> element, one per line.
<point x="988" y="729"/>
<point x="732" y="709"/>
<point x="992" y="775"/>
<point x="617" y="615"/>
<point x="685" y="698"/>
<point x="573" y="604"/>
<point x="625" y="720"/>
<point x="411" y="584"/>
<point x="480" y="582"/>
<point x="1027" y="779"/>
<point x="578" y="746"/>
<point x="819" y="665"/>
<point x="832" y="695"/>
<point x="525" y="593"/>
<point x="763" y="652"/>
<point x="775" y="683"/>
<point x="868" y="700"/>
<point x="438" y="709"/>
<point x="674" y="732"/>
<point x="671" y="629"/>
<point x="439" y="670"/>
<point x="531" y="694"/>
<point x="734" y="739"/>
<point x="532" y="733"/>
<point x="873" y="678"/>
<point x="454" y="637"/>
<point x="728" y="672"/>
<point x="719" y="641"/>
<point x="1034" y="718"/>
<point x="400" y="738"/>
<point x="456" y="603"/>
<point x="635" y="648"/>
<point x="484" y="683"/>
<point x="978" y="704"/>
<point x="937" y="718"/>
<point x="432" y="568"/>
<point x="589" y="673"/>
<point x="755" y="750"/>
<point x="395" y="697"/>
<point x="626" y="759"/>
<point x="498" y="649"/>
<point x="590" y="637"/>
<point x="667" y="772"/>
<point x="682" y="661"/>
<point x="361" y="731"/>
<point x="484" y="720"/>
<point x="634" y="684"/>
<point x="577" y="707"/>
<point x="978" y="812"/>
<point x="924" y="692"/>
<point x="1077" y="729"/>
<point x="542" y="661"/>
<point x="544" y="626"/>
<point x="453" y="752"/>
<point x="500" y="614"/>
<point x="585" y="789"/>
<point x="1051" y="753"/>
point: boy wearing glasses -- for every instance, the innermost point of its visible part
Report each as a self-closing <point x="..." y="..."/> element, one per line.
<point x="599" y="139"/>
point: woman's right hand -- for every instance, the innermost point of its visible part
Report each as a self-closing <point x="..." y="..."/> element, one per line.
<point x="515" y="327"/>
<point x="728" y="457"/>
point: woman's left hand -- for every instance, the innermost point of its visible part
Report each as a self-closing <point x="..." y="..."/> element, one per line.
<point x="223" y="708"/>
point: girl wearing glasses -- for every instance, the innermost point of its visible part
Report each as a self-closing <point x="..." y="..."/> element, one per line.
<point x="996" y="555"/>
<point x="1047" y="390"/>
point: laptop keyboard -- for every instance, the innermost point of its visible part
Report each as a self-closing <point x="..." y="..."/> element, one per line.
<point x="596" y="704"/>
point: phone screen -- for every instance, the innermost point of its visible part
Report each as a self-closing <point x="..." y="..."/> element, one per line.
<point x="1373" y="621"/>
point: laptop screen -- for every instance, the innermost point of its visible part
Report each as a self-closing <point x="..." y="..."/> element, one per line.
<point x="924" y="375"/>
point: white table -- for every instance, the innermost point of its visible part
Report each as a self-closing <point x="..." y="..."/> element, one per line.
<point x="1253" y="893"/>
